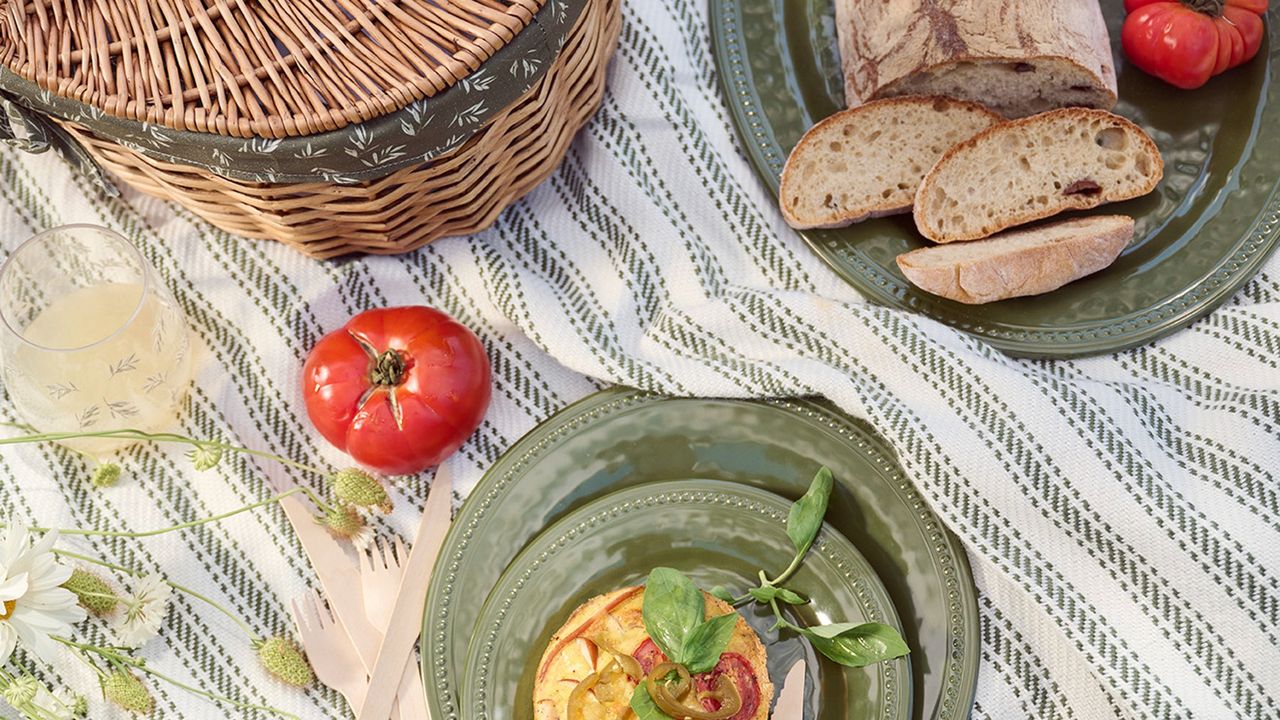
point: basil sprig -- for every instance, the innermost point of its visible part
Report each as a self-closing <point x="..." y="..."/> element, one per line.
<point x="856" y="645"/>
<point x="805" y="519"/>
<point x="852" y="645"/>
<point x="673" y="613"/>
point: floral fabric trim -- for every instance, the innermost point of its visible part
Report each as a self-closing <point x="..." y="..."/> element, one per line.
<point x="415" y="134"/>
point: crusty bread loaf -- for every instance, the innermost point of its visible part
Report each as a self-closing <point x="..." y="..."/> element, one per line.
<point x="1018" y="57"/>
<point x="1027" y="261"/>
<point x="868" y="162"/>
<point x="1034" y="168"/>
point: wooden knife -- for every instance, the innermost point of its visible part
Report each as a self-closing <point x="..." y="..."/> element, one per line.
<point x="334" y="570"/>
<point x="790" y="704"/>
<point x="406" y="619"/>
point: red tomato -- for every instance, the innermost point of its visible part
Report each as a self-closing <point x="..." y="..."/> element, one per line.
<point x="1186" y="42"/>
<point x="398" y="389"/>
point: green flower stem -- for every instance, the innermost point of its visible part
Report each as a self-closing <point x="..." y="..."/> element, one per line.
<point x="131" y="434"/>
<point x="253" y="637"/>
<point x="84" y="658"/>
<point x="121" y="659"/>
<point x="323" y="506"/>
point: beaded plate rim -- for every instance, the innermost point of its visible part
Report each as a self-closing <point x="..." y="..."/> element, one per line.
<point x="1256" y="245"/>
<point x="960" y="675"/>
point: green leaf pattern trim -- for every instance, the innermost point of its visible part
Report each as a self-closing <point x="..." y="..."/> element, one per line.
<point x="415" y="134"/>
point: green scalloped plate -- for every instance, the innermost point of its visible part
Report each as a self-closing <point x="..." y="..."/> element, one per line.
<point x="622" y="438"/>
<point x="716" y="532"/>
<point x="1205" y="231"/>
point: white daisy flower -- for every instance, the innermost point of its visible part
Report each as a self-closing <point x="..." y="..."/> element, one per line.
<point x="144" y="611"/>
<point x="33" y="603"/>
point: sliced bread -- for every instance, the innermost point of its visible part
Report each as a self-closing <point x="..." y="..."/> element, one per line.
<point x="1027" y="261"/>
<point x="1034" y="168"/>
<point x="868" y="162"/>
<point x="1015" y="56"/>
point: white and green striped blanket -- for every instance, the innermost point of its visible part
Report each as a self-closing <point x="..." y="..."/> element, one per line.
<point x="1122" y="513"/>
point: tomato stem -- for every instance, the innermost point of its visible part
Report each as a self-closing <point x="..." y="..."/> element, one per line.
<point x="1208" y="7"/>
<point x="387" y="369"/>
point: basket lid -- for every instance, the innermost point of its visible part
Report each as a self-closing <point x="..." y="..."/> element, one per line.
<point x="261" y="68"/>
<point x="281" y="90"/>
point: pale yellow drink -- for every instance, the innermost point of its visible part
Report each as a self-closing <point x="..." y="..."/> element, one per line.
<point x="104" y="357"/>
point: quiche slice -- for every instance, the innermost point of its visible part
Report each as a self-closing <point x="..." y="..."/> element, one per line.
<point x="612" y="624"/>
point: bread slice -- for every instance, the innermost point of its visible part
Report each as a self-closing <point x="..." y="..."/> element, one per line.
<point x="1017" y="57"/>
<point x="868" y="162"/>
<point x="1034" y="168"/>
<point x="1020" y="262"/>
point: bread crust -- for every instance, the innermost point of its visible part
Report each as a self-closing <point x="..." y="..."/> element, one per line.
<point x="1023" y="271"/>
<point x="875" y="209"/>
<point x="886" y="43"/>
<point x="1065" y="202"/>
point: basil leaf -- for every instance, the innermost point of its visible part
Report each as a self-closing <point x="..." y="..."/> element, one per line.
<point x="644" y="707"/>
<point x="832" y="630"/>
<point x="857" y="645"/>
<point x="721" y="592"/>
<point x="805" y="518"/>
<point x="673" y="607"/>
<point x="703" y="647"/>
<point x="791" y="597"/>
<point x="763" y="594"/>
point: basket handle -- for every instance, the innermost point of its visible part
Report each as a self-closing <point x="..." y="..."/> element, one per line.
<point x="30" y="132"/>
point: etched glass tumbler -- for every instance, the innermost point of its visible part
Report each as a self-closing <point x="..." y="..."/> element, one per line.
<point x="91" y="340"/>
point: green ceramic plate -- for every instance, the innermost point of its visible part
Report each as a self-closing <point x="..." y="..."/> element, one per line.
<point x="1203" y="233"/>
<point x="718" y="533"/>
<point x="622" y="438"/>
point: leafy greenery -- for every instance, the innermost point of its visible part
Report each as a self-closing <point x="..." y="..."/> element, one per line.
<point x="644" y="707"/>
<point x="767" y="594"/>
<point x="674" y="609"/>
<point x="852" y="645"/>
<point x="805" y="519"/>
<point x="856" y="645"/>
<point x="703" y="647"/>
<point x="673" y="616"/>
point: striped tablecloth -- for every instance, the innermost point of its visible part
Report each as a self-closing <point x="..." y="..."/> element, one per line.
<point x="1122" y="513"/>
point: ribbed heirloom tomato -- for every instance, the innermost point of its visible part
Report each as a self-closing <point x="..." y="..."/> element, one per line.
<point x="1186" y="42"/>
<point x="398" y="389"/>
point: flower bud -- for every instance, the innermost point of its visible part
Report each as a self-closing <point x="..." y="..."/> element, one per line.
<point x="92" y="592"/>
<point x="205" y="457"/>
<point x="20" y="691"/>
<point x="357" y="487"/>
<point x="346" y="523"/>
<point x="77" y="705"/>
<point x="127" y="691"/>
<point x="285" y="661"/>
<point x="105" y="475"/>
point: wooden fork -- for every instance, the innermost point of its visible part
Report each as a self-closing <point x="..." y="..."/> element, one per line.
<point x="330" y="651"/>
<point x="380" y="574"/>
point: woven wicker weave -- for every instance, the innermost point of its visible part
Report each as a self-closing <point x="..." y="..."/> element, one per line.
<point x="457" y="193"/>
<point x="254" y="68"/>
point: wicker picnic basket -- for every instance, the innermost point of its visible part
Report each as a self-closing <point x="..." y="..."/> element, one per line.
<point x="335" y="126"/>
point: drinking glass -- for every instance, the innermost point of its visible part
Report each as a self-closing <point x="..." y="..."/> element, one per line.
<point x="91" y="340"/>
